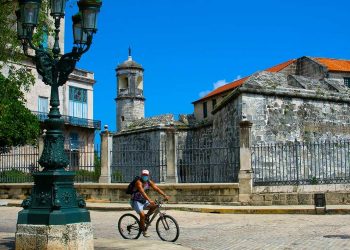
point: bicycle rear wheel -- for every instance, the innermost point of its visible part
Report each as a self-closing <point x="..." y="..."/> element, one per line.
<point x="167" y="228"/>
<point x="129" y="226"/>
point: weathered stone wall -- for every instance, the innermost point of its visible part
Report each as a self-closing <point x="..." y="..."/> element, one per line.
<point x="200" y="135"/>
<point x="128" y="110"/>
<point x="226" y="122"/>
<point x="179" y="193"/>
<point x="336" y="194"/>
<point x="134" y="151"/>
<point x="306" y="66"/>
<point x="338" y="75"/>
<point x="281" y="119"/>
<point x="290" y="69"/>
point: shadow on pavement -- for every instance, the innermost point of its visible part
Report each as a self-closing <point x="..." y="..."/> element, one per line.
<point x="7" y="243"/>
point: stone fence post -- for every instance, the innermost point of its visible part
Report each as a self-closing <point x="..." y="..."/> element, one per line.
<point x="245" y="173"/>
<point x="106" y="147"/>
<point x="171" y="171"/>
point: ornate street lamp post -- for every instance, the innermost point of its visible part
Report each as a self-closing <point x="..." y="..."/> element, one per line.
<point x="54" y="201"/>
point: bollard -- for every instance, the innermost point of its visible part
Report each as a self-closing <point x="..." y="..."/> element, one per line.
<point x="320" y="203"/>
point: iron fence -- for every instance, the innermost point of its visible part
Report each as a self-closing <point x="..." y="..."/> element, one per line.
<point x="128" y="160"/>
<point x="86" y="163"/>
<point x="207" y="163"/>
<point x="301" y="163"/>
<point x="18" y="163"/>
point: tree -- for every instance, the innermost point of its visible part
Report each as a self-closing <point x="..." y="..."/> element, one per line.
<point x="18" y="126"/>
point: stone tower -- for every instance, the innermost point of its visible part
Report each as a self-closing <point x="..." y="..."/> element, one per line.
<point x="130" y="99"/>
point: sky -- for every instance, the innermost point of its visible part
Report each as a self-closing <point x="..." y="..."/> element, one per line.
<point x="190" y="47"/>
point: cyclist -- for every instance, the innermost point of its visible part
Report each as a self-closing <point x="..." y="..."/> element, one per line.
<point x="140" y="200"/>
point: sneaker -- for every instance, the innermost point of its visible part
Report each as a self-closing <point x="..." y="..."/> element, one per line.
<point x="145" y="234"/>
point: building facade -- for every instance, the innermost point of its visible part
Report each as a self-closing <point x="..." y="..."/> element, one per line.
<point x="304" y="100"/>
<point x="76" y="107"/>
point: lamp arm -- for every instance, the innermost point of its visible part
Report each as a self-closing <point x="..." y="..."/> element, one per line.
<point x="86" y="49"/>
<point x="88" y="45"/>
<point x="31" y="44"/>
<point x="25" y="50"/>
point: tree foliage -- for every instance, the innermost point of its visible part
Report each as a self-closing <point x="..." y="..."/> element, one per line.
<point x="18" y="126"/>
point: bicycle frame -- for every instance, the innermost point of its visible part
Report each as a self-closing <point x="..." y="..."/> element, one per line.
<point x="155" y="213"/>
<point x="129" y="228"/>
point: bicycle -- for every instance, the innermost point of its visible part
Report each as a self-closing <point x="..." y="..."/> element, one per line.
<point x="166" y="226"/>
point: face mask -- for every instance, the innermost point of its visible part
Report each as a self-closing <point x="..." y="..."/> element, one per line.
<point x="144" y="178"/>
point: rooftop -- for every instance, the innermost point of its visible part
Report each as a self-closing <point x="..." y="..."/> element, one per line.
<point x="237" y="83"/>
<point x="333" y="65"/>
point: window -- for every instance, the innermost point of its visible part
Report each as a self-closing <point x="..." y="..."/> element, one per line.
<point x="74" y="140"/>
<point x="43" y="105"/>
<point x="123" y="83"/>
<point x="205" y="109"/>
<point x="123" y="118"/>
<point x="347" y="81"/>
<point x="213" y="103"/>
<point x="78" y="102"/>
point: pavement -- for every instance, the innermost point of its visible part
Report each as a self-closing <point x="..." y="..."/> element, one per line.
<point x="7" y="237"/>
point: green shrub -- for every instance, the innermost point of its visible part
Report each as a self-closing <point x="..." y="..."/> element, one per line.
<point x="85" y="175"/>
<point x="314" y="181"/>
<point x="117" y="176"/>
<point x="90" y="176"/>
<point x="15" y="176"/>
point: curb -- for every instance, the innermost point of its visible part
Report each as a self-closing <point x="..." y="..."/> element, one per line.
<point x="247" y="211"/>
<point x="222" y="209"/>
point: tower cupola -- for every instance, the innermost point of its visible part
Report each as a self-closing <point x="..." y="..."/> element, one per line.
<point x="130" y="99"/>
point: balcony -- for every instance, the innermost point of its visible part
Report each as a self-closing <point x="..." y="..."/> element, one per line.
<point x="71" y="120"/>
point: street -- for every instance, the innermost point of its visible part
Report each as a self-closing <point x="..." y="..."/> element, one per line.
<point x="229" y="231"/>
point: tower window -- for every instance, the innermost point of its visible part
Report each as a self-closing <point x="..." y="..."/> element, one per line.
<point x="205" y="109"/>
<point x="140" y="82"/>
<point x="347" y="81"/>
<point x="123" y="83"/>
<point x="122" y="118"/>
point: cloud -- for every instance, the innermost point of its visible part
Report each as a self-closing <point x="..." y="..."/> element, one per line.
<point x="204" y="93"/>
<point x="215" y="86"/>
<point x="219" y="83"/>
<point x="237" y="78"/>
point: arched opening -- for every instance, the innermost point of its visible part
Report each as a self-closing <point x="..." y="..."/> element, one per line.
<point x="123" y="83"/>
<point x="139" y="83"/>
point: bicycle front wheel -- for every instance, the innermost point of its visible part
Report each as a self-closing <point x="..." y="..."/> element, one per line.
<point x="167" y="228"/>
<point x="129" y="226"/>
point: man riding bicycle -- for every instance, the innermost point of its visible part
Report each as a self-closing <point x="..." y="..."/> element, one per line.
<point x="140" y="200"/>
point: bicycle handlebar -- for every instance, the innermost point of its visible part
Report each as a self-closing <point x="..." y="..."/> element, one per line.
<point x="159" y="201"/>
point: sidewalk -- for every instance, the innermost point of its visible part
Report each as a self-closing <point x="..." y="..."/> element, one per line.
<point x="7" y="239"/>
<point x="222" y="209"/>
<point x="7" y="242"/>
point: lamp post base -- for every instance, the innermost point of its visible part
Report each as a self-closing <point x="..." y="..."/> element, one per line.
<point x="54" y="237"/>
<point x="54" y="216"/>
